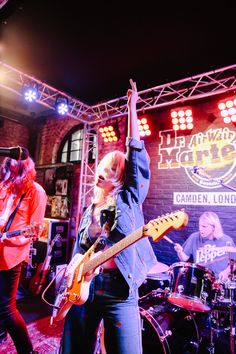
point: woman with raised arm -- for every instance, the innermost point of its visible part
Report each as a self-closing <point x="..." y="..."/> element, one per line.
<point x="121" y="186"/>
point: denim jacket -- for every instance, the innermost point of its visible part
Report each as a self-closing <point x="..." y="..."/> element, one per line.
<point x="136" y="260"/>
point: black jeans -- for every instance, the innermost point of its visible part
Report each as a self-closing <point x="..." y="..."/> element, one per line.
<point x="109" y="300"/>
<point x="9" y="315"/>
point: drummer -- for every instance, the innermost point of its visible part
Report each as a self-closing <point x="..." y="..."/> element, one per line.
<point x="209" y="247"/>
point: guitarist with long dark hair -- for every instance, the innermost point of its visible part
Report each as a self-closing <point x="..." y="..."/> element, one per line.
<point x="121" y="183"/>
<point x="22" y="204"/>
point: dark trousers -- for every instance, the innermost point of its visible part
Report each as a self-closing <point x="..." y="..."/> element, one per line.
<point x="9" y="315"/>
<point x="111" y="302"/>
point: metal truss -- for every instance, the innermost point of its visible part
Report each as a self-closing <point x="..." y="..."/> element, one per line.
<point x="87" y="170"/>
<point x="13" y="80"/>
<point x="195" y="87"/>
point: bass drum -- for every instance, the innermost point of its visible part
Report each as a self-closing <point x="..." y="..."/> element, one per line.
<point x="167" y="329"/>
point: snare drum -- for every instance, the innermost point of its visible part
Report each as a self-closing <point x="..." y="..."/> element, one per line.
<point x="191" y="286"/>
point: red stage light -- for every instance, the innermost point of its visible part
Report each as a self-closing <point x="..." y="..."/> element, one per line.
<point x="144" y="127"/>
<point x="110" y="133"/>
<point x="182" y="118"/>
<point x="227" y="109"/>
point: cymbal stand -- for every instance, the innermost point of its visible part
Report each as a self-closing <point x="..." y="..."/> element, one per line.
<point x="232" y="287"/>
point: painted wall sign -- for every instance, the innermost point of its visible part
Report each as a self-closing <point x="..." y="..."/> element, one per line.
<point x="207" y="158"/>
<point x="206" y="198"/>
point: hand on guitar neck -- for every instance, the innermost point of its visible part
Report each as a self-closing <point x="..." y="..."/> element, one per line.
<point x="38" y="279"/>
<point x="12" y="238"/>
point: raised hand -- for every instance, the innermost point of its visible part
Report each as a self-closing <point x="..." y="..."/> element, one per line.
<point x="132" y="93"/>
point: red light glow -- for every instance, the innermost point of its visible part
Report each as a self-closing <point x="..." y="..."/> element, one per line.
<point x="143" y="126"/>
<point x="228" y="110"/>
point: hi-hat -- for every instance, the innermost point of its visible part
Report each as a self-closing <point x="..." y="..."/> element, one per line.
<point x="158" y="268"/>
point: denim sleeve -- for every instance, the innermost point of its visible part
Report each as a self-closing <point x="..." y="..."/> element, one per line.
<point x="81" y="230"/>
<point x="137" y="173"/>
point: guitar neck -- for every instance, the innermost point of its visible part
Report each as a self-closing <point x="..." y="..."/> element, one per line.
<point x="10" y="234"/>
<point x="115" y="249"/>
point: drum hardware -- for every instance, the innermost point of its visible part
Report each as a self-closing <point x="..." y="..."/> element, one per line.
<point x="180" y="289"/>
<point x="204" y="296"/>
<point x="184" y="269"/>
<point x="167" y="334"/>
<point x="231" y="310"/>
<point x="155" y="286"/>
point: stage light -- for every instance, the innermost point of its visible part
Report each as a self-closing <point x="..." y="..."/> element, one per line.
<point x="182" y="118"/>
<point x="227" y="109"/>
<point x="143" y="126"/>
<point x="110" y="133"/>
<point x="30" y="92"/>
<point x="61" y="105"/>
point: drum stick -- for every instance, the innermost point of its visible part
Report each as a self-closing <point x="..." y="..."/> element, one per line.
<point x="168" y="240"/>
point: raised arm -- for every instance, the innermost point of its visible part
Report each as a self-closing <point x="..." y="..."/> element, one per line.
<point x="133" y="97"/>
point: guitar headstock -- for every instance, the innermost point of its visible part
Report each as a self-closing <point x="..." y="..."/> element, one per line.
<point x="158" y="227"/>
<point x="52" y="242"/>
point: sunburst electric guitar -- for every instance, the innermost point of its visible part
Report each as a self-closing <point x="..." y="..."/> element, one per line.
<point x="76" y="282"/>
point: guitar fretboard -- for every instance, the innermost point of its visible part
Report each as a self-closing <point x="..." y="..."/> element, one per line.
<point x="111" y="252"/>
<point x="10" y="234"/>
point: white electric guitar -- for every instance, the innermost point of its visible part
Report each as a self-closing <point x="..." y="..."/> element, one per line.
<point x="75" y="285"/>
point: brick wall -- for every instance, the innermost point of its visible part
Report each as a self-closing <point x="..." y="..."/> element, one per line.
<point x="13" y="133"/>
<point x="164" y="182"/>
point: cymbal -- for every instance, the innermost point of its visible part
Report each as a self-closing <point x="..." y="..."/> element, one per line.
<point x="158" y="268"/>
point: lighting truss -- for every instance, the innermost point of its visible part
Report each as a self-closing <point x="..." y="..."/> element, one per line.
<point x="195" y="87"/>
<point x="13" y="80"/>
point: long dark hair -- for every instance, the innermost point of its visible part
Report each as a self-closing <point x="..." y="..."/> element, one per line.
<point x="21" y="173"/>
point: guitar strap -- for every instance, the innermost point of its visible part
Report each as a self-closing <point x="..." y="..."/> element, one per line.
<point x="11" y="217"/>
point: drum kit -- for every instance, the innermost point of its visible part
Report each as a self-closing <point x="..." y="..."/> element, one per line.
<point x="184" y="310"/>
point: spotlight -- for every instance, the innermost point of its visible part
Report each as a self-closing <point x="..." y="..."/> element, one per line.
<point x="61" y="105"/>
<point x="143" y="126"/>
<point x="228" y="110"/>
<point x="110" y="133"/>
<point x="30" y="92"/>
<point x="182" y="118"/>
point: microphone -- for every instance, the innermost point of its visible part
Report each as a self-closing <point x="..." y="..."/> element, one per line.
<point x="17" y="152"/>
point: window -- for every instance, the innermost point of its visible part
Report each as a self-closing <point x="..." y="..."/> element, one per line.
<point x="71" y="147"/>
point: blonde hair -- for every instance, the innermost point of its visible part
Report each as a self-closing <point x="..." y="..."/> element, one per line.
<point x="116" y="161"/>
<point x="20" y="172"/>
<point x="212" y="219"/>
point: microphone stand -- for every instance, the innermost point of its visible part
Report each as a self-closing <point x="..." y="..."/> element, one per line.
<point x="232" y="287"/>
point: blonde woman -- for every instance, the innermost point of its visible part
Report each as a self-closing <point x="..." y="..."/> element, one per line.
<point x="206" y="246"/>
<point x="122" y="183"/>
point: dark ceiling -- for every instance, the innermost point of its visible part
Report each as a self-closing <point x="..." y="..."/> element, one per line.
<point x="91" y="49"/>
